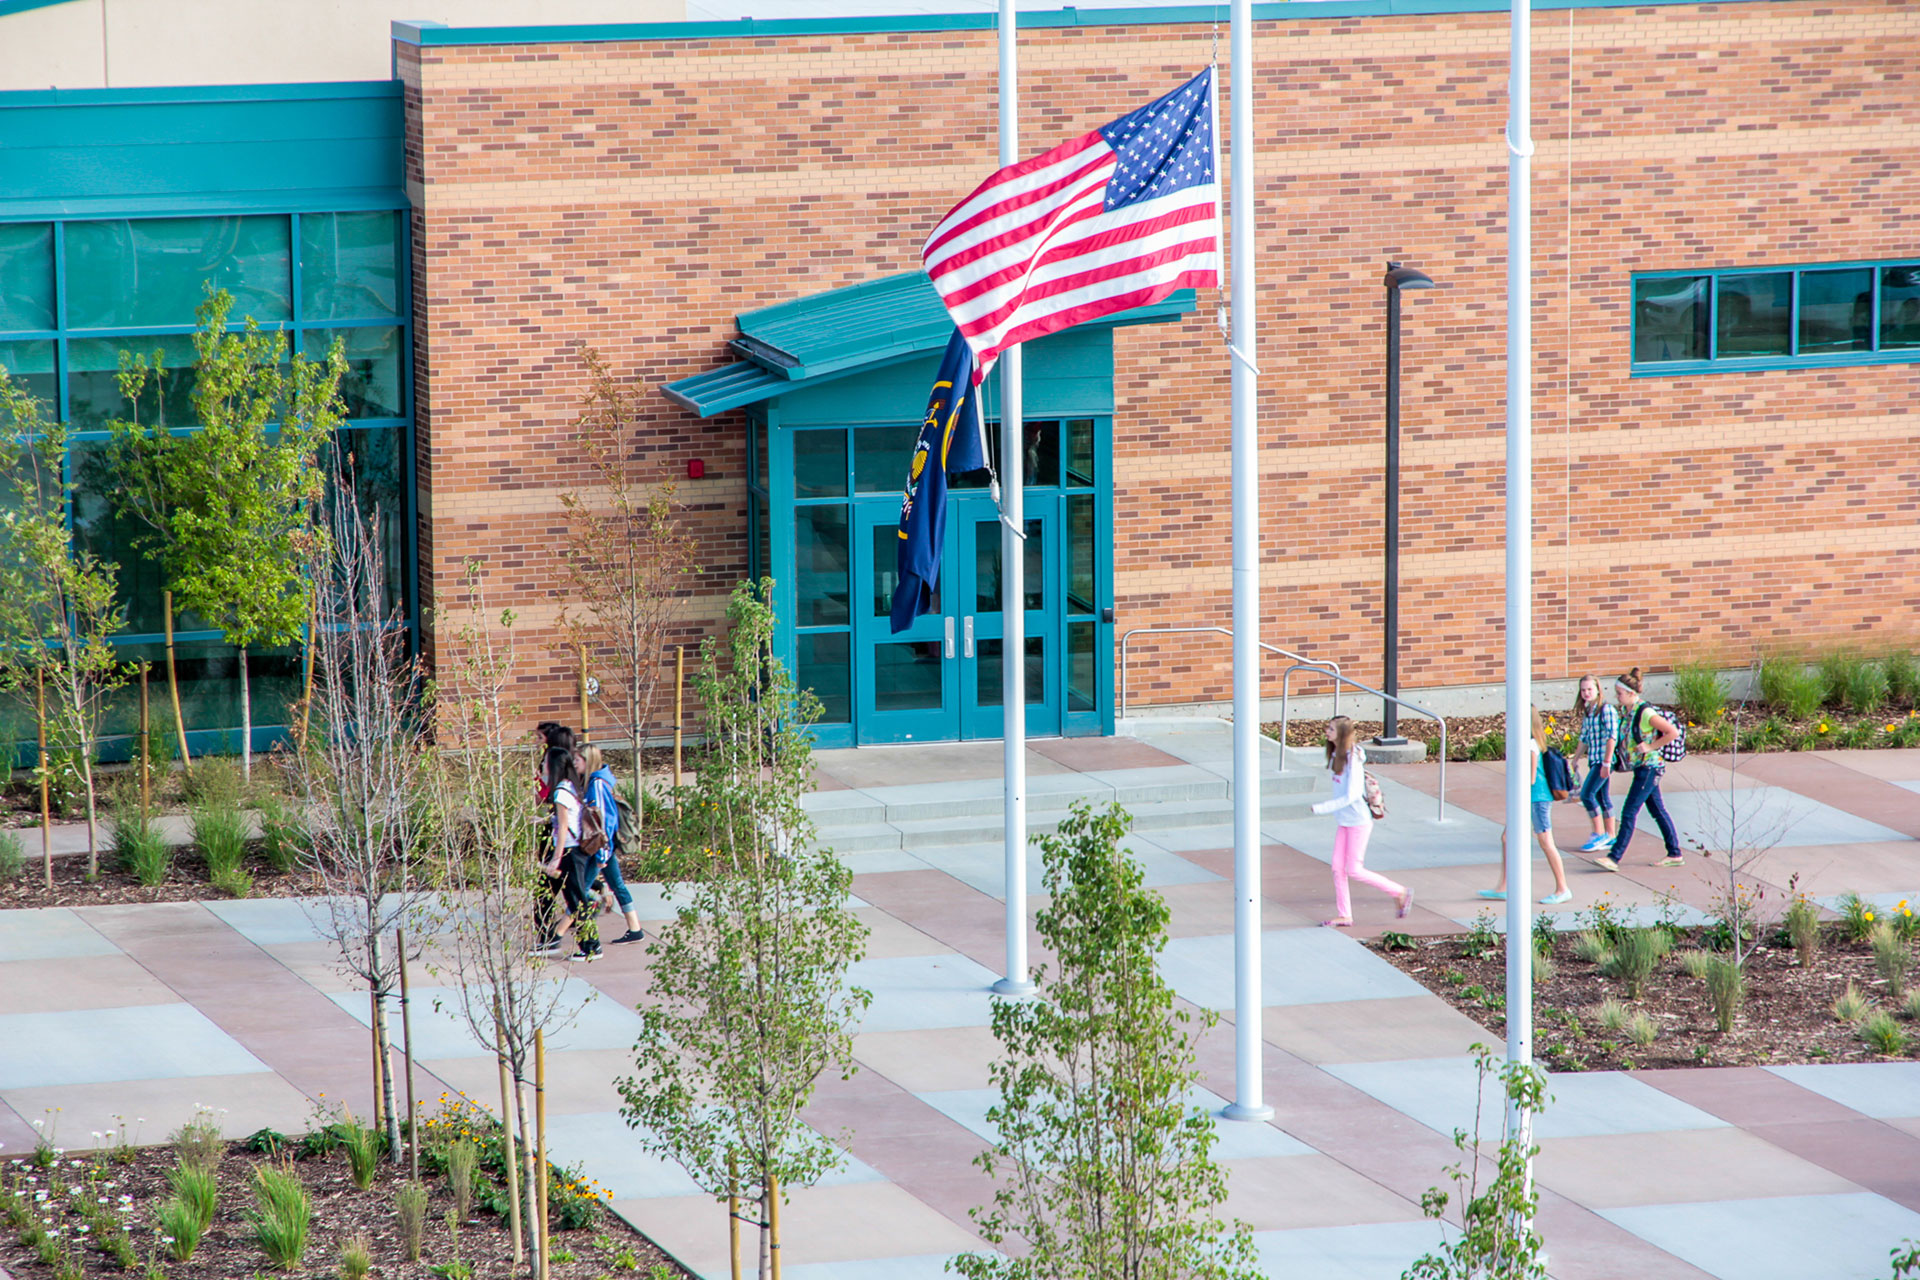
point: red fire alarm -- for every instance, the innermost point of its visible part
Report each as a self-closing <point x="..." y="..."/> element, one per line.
<point x="696" y="469"/>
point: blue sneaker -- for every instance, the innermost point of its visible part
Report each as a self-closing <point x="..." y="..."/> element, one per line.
<point x="1595" y="844"/>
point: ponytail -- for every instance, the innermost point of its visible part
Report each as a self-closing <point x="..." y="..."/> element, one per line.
<point x="1631" y="680"/>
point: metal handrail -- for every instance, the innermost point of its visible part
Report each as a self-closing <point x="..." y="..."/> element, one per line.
<point x="1286" y="678"/>
<point x="1177" y="631"/>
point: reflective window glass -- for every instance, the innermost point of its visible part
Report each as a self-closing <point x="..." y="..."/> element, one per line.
<point x="760" y="451"/>
<point x="1079" y="451"/>
<point x="155" y="271"/>
<point x="93" y="387"/>
<point x="1900" y="307"/>
<point x="26" y="276"/>
<point x="821" y="566"/>
<point x="375" y="464"/>
<point x="1836" y="311"/>
<point x="1081" y="583"/>
<point x="762" y="542"/>
<point x="819" y="464"/>
<point x="1753" y="313"/>
<point x="989" y="691"/>
<point x="30" y="366"/>
<point x="1083" y="688"/>
<point x="823" y="668"/>
<point x="1670" y="319"/>
<point x="374" y="385"/>
<point x="101" y="528"/>
<point x="881" y="456"/>
<point x="886" y="571"/>
<point x="908" y="676"/>
<point x="986" y="550"/>
<point x="350" y="265"/>
<point x="1042" y="455"/>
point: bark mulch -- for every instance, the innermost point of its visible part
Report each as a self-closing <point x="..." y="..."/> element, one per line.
<point x="1787" y="1018"/>
<point x="228" y="1251"/>
<point x="186" y="882"/>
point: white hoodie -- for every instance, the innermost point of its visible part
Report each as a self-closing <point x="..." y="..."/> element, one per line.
<point x="1349" y="803"/>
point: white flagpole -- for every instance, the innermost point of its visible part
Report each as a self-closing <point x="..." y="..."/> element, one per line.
<point x="1013" y="561"/>
<point x="1519" y="557"/>
<point x="1248" y="1023"/>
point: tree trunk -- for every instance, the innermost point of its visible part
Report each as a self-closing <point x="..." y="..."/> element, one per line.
<point x="93" y="824"/>
<point x="530" y="1182"/>
<point x="246" y="720"/>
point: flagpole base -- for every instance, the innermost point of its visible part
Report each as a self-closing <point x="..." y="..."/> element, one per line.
<point x="1234" y="1111"/>
<point x="1009" y="987"/>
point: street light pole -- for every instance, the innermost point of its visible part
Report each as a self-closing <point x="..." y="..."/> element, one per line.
<point x="1397" y="278"/>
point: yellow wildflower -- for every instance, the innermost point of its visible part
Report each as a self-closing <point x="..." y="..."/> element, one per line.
<point x="1823" y="726"/>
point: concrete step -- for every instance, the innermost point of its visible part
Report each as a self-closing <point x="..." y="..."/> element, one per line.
<point x="983" y="827"/>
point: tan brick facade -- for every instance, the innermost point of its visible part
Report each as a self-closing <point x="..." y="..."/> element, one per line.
<point x="637" y="195"/>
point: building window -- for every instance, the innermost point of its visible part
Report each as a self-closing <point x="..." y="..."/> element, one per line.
<point x="1709" y="321"/>
<point x="75" y="294"/>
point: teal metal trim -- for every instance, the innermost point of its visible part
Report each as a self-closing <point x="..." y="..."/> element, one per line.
<point x="1288" y="11"/>
<point x="1717" y="363"/>
<point x="357" y="200"/>
<point x="1684" y="273"/>
<point x="728" y="387"/>
<point x="1764" y="364"/>
<point x="221" y="93"/>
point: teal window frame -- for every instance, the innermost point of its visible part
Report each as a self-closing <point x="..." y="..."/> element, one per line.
<point x="295" y="328"/>
<point x="1716" y="363"/>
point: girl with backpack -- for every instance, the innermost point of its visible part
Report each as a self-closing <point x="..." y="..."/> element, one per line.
<point x="1346" y="765"/>
<point x="574" y="867"/>
<point x="1540" y="798"/>
<point x="603" y="797"/>
<point x="1599" y="731"/>
<point x="1644" y="732"/>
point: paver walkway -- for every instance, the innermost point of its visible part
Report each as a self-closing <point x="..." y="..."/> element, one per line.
<point x="1795" y="1173"/>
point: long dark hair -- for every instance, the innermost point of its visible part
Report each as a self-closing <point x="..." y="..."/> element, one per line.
<point x="1340" y="745"/>
<point x="560" y="766"/>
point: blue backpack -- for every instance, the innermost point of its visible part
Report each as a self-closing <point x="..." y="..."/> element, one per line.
<point x="1559" y="774"/>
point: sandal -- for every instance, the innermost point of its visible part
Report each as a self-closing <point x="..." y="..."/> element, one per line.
<point x="1406" y="904"/>
<point x="1338" y="923"/>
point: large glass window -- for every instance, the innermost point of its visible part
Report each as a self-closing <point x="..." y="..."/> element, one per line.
<point x="350" y="265"/>
<point x="374" y="386"/>
<point x="128" y="274"/>
<point x="26" y="276"/>
<point x="30" y="366"/>
<point x="1822" y="315"/>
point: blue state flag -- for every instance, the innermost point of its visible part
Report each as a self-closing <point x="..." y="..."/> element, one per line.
<point x="949" y="443"/>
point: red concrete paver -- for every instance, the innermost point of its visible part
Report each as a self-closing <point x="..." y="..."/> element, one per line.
<point x="1832" y="783"/>
<point x="921" y="1150"/>
<point x="1582" y="1245"/>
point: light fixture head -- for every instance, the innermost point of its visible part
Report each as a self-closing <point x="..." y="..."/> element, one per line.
<point x="1399" y="277"/>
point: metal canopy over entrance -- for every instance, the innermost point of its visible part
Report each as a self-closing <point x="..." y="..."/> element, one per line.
<point x="833" y="386"/>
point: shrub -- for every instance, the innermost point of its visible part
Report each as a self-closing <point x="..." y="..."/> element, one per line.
<point x="1803" y="927"/>
<point x="1788" y="687"/>
<point x="1591" y="947"/>
<point x="1891" y="957"/>
<point x="281" y="1216"/>
<point x="356" y="1256"/>
<point x="1912" y="1007"/>
<point x="1727" y="988"/>
<point x="214" y="781"/>
<point x="410" y="1206"/>
<point x="460" y="1157"/>
<point x="1699" y="692"/>
<point x="1543" y="967"/>
<point x="1854" y="681"/>
<point x="363" y="1146"/>
<point x="1856" y="917"/>
<point x="1488" y="746"/>
<point x="1694" y="964"/>
<point x="13" y="856"/>
<point x="180" y="1228"/>
<point x="1765" y="736"/>
<point x="1883" y="1034"/>
<point x="283" y="833"/>
<point x="1642" y="1030"/>
<point x="1635" y="958"/>
<point x="197" y="1189"/>
<point x="1851" y="1007"/>
<point x="1903" y="676"/>
<point x="1613" y="1016"/>
<point x="136" y="840"/>
<point x="198" y="1142"/>
<point x="220" y="833"/>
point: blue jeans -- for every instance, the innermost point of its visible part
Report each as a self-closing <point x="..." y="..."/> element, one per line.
<point x="610" y="869"/>
<point x="1645" y="791"/>
<point x="1594" y="796"/>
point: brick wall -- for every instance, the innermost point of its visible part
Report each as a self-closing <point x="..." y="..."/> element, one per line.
<point x="638" y="195"/>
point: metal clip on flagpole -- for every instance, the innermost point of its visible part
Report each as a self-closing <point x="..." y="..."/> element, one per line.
<point x="1227" y="334"/>
<point x="1013" y="559"/>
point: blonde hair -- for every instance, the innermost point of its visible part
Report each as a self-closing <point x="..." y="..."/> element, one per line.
<point x="1340" y="745"/>
<point x="592" y="758"/>
<point x="1539" y="729"/>
<point x="1584" y="709"/>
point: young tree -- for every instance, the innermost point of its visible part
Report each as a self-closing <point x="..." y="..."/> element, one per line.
<point x="749" y="1001"/>
<point x="227" y="506"/>
<point x="58" y="610"/>
<point x="486" y="823"/>
<point x="627" y="559"/>
<point x="1105" y="1163"/>
<point x="358" y="780"/>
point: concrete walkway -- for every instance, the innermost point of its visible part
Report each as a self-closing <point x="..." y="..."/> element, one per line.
<point x="1794" y="1173"/>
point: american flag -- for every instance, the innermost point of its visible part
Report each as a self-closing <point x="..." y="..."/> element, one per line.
<point x="1118" y="218"/>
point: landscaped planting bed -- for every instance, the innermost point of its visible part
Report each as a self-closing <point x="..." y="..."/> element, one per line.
<point x="130" y="1210"/>
<point x="1588" y="1018"/>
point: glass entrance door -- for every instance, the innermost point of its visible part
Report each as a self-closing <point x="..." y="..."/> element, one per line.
<point x="975" y="524"/>
<point x="907" y="686"/>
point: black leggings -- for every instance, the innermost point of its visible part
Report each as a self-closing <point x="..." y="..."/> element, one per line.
<point x="577" y="875"/>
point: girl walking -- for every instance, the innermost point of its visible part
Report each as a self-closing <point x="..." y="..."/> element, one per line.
<point x="1599" y="731"/>
<point x="1540" y="798"/>
<point x="601" y="794"/>
<point x="1346" y="763"/>
<point x="1643" y="731"/>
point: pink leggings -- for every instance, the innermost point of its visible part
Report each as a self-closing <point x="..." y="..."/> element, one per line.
<point x="1349" y="847"/>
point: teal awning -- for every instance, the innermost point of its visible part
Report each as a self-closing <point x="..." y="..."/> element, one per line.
<point x="829" y="335"/>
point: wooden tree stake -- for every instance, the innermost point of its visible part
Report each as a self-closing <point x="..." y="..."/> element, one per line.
<point x="406" y="1043"/>
<point x="506" y="1130"/>
<point x="679" y="710"/>
<point x="46" y="799"/>
<point x="773" y="1223"/>
<point x="146" y="748"/>
<point x="540" y="1139"/>
<point x="586" y="717"/>
<point x="173" y="679"/>
<point x="733" y="1212"/>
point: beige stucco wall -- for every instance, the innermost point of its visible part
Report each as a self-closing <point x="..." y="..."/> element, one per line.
<point x="90" y="44"/>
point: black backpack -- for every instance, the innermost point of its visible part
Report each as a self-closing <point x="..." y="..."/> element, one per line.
<point x="1559" y="774"/>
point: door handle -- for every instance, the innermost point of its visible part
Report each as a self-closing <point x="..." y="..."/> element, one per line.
<point x="967" y="651"/>
<point x="949" y="636"/>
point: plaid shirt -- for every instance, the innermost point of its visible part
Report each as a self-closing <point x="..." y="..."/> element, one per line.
<point x="1597" y="734"/>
